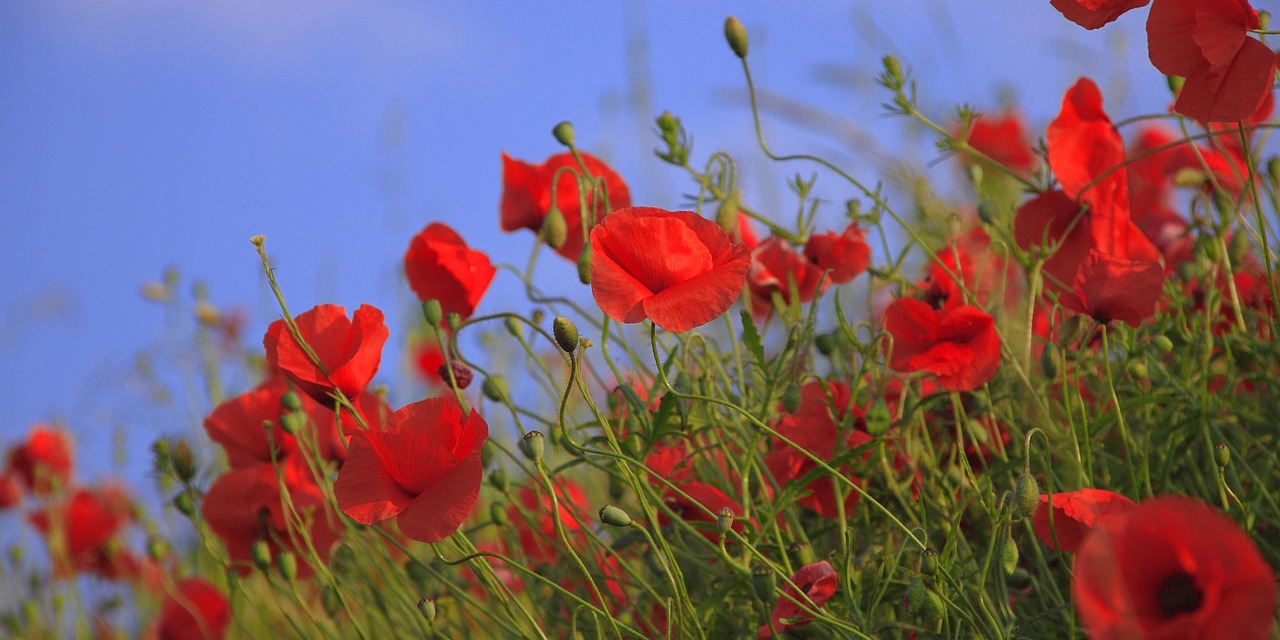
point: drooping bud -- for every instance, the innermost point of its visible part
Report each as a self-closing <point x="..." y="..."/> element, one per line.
<point x="555" y="230"/>
<point x="1026" y="496"/>
<point x="736" y="35"/>
<point x="566" y="334"/>
<point x="185" y="503"/>
<point x="494" y="388"/>
<point x="533" y="444"/>
<point x="825" y="343"/>
<point x="1009" y="555"/>
<point x="1137" y="369"/>
<point x="1050" y="361"/>
<point x="564" y="133"/>
<point x="342" y="560"/>
<point x="727" y="214"/>
<point x="498" y="479"/>
<point x="291" y="400"/>
<point x="614" y="516"/>
<point x="498" y="514"/>
<point x="329" y="600"/>
<point x="584" y="264"/>
<point x="432" y="312"/>
<point x="288" y="563"/>
<point x="260" y="552"/>
<point x="1239" y="247"/>
<point x="1175" y="83"/>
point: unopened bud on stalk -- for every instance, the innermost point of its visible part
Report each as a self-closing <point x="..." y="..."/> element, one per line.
<point x="825" y="343"/>
<point x="929" y="562"/>
<point x="877" y="418"/>
<point x="291" y="400"/>
<point x="514" y="326"/>
<point x="584" y="264"/>
<point x="1050" y="361"/>
<point x="292" y="422"/>
<point x="184" y="466"/>
<point x="736" y="35"/>
<point x="727" y="214"/>
<point x="417" y="572"/>
<point x="1222" y="455"/>
<point x="1026" y="496"/>
<point x="1175" y="83"/>
<point x="1163" y="343"/>
<point x="498" y="479"/>
<point x="564" y="133"/>
<point x="1273" y="169"/>
<point x="533" y="445"/>
<point x="288" y="563"/>
<point x="724" y="521"/>
<point x="427" y="606"/>
<point x="454" y="321"/>
<point x="494" y="388"/>
<point x="185" y="503"/>
<point x="329" y="600"/>
<point x="615" y="517"/>
<point x="566" y="334"/>
<point x="432" y="312"/>
<point x="1238" y="248"/>
<point x="1019" y="579"/>
<point x="342" y="560"/>
<point x="260" y="553"/>
<point x="1009" y="555"/>
<point x="987" y="212"/>
<point x="498" y="514"/>
<point x="1137" y="369"/>
<point x="555" y="230"/>
<point x="923" y="602"/>
<point x="791" y="398"/>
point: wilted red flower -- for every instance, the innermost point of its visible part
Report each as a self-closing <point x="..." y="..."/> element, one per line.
<point x="1004" y="139"/>
<point x="349" y="350"/>
<point x="1076" y="514"/>
<point x="238" y="425"/>
<point x="440" y="266"/>
<point x="195" y="610"/>
<point x="245" y="505"/>
<point x="959" y="345"/>
<point x="776" y="267"/>
<point x="817" y="581"/>
<point x="526" y="195"/>
<point x="82" y="534"/>
<point x="42" y="463"/>
<point x="1173" y="567"/>
<point x="1092" y="14"/>
<point x="845" y="254"/>
<point x="424" y="467"/>
<point x="536" y="526"/>
<point x="675" y="268"/>
<point x="1228" y="73"/>
<point x="817" y="426"/>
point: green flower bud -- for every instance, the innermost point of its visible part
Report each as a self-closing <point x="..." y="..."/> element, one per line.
<point x="495" y="388"/>
<point x="432" y="312"/>
<point x="615" y="517"/>
<point x="514" y="326"/>
<point x="1175" y="83"/>
<point x="791" y="398"/>
<point x="329" y="600"/>
<point x="584" y="264"/>
<point x="185" y="503"/>
<point x="288" y="563"/>
<point x="184" y="466"/>
<point x="566" y="334"/>
<point x="533" y="445"/>
<point x="877" y="418"/>
<point x="668" y="124"/>
<point x="1009" y="555"/>
<point x="923" y="602"/>
<point x="1137" y="369"/>
<point x="342" y="560"/>
<point x="727" y="214"/>
<point x="825" y="343"/>
<point x="291" y="400"/>
<point x="929" y="562"/>
<point x="498" y="513"/>
<point x="1019" y="579"/>
<point x="987" y="212"/>
<point x="293" y="422"/>
<point x="736" y="35"/>
<point x="1238" y="248"/>
<point x="260" y="552"/>
<point x="564" y="133"/>
<point x="498" y="479"/>
<point x="1222" y="455"/>
<point x="1026" y="496"/>
<point x="1163" y="343"/>
<point x="1050" y="361"/>
<point x="555" y="230"/>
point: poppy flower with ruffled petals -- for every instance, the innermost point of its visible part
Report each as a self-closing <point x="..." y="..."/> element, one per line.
<point x="526" y="195"/>
<point x="423" y="469"/>
<point x="1084" y="151"/>
<point x="440" y="266"/>
<point x="43" y="462"/>
<point x="844" y="255"/>
<point x="959" y="345"/>
<point x="1228" y="74"/>
<point x="823" y="416"/>
<point x="1075" y="515"/>
<point x="1092" y="14"/>
<point x="243" y="506"/>
<point x="1108" y="288"/>
<point x="776" y="267"/>
<point x="195" y="610"/>
<point x="675" y="268"/>
<point x="817" y="581"/>
<point x="969" y="260"/>
<point x="349" y="350"/>
<point x="1173" y="567"/>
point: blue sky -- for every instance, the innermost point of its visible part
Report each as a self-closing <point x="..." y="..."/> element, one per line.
<point x="141" y="134"/>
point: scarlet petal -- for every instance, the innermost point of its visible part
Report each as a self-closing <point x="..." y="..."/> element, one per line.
<point x="364" y="489"/>
<point x="436" y="514"/>
<point x="701" y="299"/>
<point x="1075" y="514"/>
<point x="194" y="611"/>
<point x="1092" y="14"/>
<point x="1118" y="289"/>
<point x="1232" y="92"/>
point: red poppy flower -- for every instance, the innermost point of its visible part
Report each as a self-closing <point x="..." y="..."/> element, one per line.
<point x="424" y="468"/>
<point x="675" y="268"/>
<point x="845" y="255"/>
<point x="823" y="416"/>
<point x="1228" y="73"/>
<point x="776" y="267"/>
<point x="817" y="581"/>
<point x="43" y="463"/>
<point x="349" y="350"/>
<point x="237" y="425"/>
<point x="10" y="490"/>
<point x="1173" y="567"/>
<point x="85" y="536"/>
<point x="245" y="505"/>
<point x="1083" y="145"/>
<point x="1092" y="14"/>
<point x="526" y="195"/>
<point x="1075" y="515"/>
<point x="440" y="266"/>
<point x="195" y="610"/>
<point x="958" y="345"/>
<point x="536" y="526"/>
<point x="1110" y="288"/>
<point x="1004" y="139"/>
<point x="968" y="259"/>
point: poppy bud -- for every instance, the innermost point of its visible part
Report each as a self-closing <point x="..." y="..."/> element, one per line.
<point x="1273" y="169"/>
<point x="724" y="521"/>
<point x="494" y="388"/>
<point x="1009" y="555"/>
<point x="791" y="398"/>
<point x="1137" y="369"/>
<point x="1239" y="247"/>
<point x="432" y="312"/>
<point x="736" y="34"/>
<point x="157" y="548"/>
<point x="825" y="343"/>
<point x="206" y="313"/>
<point x="1019" y="579"/>
<point x="498" y="514"/>
<point x="929" y="562"/>
<point x="1163" y="343"/>
<point x="1175" y="83"/>
<point x="877" y="418"/>
<point x="533" y="445"/>
<point x="614" y="516"/>
<point x="564" y="133"/>
<point x="260" y="552"/>
<point x="185" y="503"/>
<point x="184" y="467"/>
<point x="342" y="559"/>
<point x="288" y="565"/>
<point x="329" y="600"/>
<point x="727" y="214"/>
<point x="555" y="230"/>
<point x="987" y="212"/>
<point x="763" y="582"/>
<point x="428" y="608"/>
<point x="498" y="479"/>
<point x="291" y="400"/>
<point x="1026" y="496"/>
<point x="923" y="602"/>
<point x="454" y="321"/>
<point x="1222" y="455"/>
<point x="566" y="334"/>
<point x="292" y="422"/>
<point x="1050" y="361"/>
<point x="513" y="326"/>
<point x="1264" y="20"/>
<point x="584" y="264"/>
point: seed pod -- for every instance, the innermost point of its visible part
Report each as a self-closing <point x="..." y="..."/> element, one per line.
<point x="533" y="444"/>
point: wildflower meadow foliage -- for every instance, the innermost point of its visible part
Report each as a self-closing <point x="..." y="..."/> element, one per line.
<point x="1045" y="409"/>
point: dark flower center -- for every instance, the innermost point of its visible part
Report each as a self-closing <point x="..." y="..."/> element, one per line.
<point x="1178" y="594"/>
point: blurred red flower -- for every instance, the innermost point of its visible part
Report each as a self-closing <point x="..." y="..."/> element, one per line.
<point x="675" y="268"/>
<point x="983" y="273"/>
<point x="536" y="526"/>
<point x="238" y="425"/>
<point x="526" y="196"/>
<point x="845" y="254"/>
<point x="1092" y="14"/>
<point x="81" y="532"/>
<point x="1004" y="139"/>
<point x="817" y="581"/>
<point x="195" y="610"/>
<point x="1228" y="74"/>
<point x="42" y="464"/>
<point x="246" y="505"/>
<point x="349" y="350"/>
<point x="1173" y="567"/>
<point x="1075" y="514"/>
<point x="776" y="267"/>
<point x="701" y="501"/>
<point x="817" y="426"/>
<point x="958" y="345"/>
<point x="439" y="265"/>
<point x="424" y="468"/>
